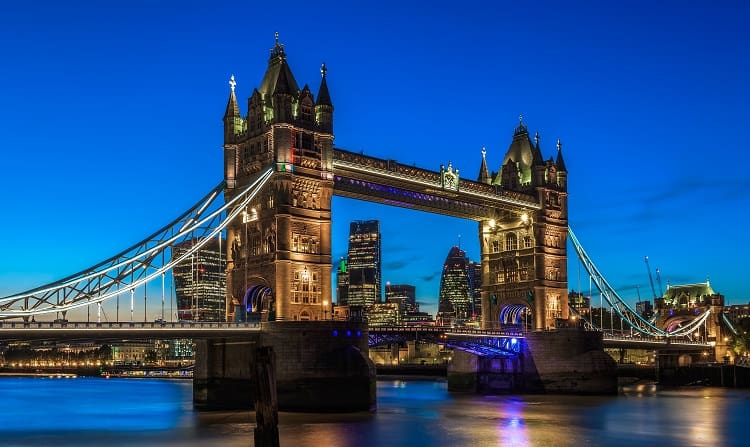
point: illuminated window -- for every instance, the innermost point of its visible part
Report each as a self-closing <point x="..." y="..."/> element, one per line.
<point x="511" y="241"/>
<point x="527" y="242"/>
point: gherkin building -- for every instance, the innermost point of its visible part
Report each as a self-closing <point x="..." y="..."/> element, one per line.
<point x="455" y="292"/>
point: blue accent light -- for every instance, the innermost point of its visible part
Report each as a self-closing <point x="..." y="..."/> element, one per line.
<point x="348" y="333"/>
<point x="513" y="341"/>
<point x="359" y="333"/>
<point x="335" y="333"/>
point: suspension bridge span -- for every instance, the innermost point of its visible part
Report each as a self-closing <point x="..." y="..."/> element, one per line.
<point x="271" y="215"/>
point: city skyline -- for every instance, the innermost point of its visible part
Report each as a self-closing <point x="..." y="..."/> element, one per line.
<point x="111" y="124"/>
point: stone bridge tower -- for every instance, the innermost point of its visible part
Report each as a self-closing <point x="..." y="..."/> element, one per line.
<point x="524" y="252"/>
<point x="279" y="250"/>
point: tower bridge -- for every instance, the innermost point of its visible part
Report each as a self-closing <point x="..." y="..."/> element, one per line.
<point x="280" y="171"/>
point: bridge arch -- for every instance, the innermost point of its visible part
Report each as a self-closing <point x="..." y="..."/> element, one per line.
<point x="675" y="322"/>
<point x="257" y="302"/>
<point x="516" y="314"/>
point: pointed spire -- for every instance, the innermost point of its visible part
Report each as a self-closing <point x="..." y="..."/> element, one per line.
<point x="324" y="98"/>
<point x="285" y="83"/>
<point x="278" y="48"/>
<point x="537" y="159"/>
<point x="233" y="109"/>
<point x="484" y="173"/>
<point x="560" y="164"/>
<point x="521" y="126"/>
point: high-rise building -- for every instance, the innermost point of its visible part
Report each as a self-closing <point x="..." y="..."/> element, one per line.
<point x="644" y="308"/>
<point x="200" y="282"/>
<point x="455" y="292"/>
<point x="474" y="274"/>
<point x="403" y="294"/>
<point x="342" y="283"/>
<point x="364" y="263"/>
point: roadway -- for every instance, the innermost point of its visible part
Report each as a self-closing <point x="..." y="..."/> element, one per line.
<point x="124" y="331"/>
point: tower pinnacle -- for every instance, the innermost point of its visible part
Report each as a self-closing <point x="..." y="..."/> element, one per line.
<point x="232" y="83"/>
<point x="278" y="48"/>
<point x="323" y="70"/>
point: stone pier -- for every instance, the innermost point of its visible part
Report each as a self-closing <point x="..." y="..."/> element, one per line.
<point x="565" y="361"/>
<point x="321" y="366"/>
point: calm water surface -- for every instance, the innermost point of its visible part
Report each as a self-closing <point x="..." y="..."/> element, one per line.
<point x="150" y="412"/>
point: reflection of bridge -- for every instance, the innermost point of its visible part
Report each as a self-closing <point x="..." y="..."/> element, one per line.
<point x="273" y="224"/>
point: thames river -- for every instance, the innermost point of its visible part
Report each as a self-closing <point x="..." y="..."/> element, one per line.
<point x="153" y="412"/>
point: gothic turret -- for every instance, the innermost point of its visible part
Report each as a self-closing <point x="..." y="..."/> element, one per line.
<point x="232" y="118"/>
<point x="323" y="105"/>
<point x="306" y="104"/>
<point x="516" y="170"/>
<point x="278" y="88"/>
<point x="484" y="173"/>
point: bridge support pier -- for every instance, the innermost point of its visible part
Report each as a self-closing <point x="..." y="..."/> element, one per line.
<point x="561" y="361"/>
<point x="471" y="373"/>
<point x="321" y="366"/>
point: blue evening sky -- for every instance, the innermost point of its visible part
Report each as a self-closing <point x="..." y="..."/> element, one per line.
<point x="110" y="123"/>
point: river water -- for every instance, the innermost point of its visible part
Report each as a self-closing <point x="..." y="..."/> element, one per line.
<point x="152" y="412"/>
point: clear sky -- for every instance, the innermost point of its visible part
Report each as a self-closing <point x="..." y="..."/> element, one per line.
<point x="110" y="123"/>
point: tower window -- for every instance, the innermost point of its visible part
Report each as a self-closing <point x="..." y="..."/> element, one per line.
<point x="511" y="241"/>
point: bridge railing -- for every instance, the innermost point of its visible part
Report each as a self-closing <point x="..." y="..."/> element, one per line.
<point x="446" y="330"/>
<point x="129" y="325"/>
<point x="648" y="339"/>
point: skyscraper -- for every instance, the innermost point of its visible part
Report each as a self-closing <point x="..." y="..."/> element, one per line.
<point x="342" y="283"/>
<point x="364" y="263"/>
<point x="404" y="294"/>
<point x="455" y="292"/>
<point x="200" y="282"/>
<point x="474" y="274"/>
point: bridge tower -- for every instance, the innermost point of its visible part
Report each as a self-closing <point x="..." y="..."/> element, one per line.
<point x="279" y="250"/>
<point x="524" y="251"/>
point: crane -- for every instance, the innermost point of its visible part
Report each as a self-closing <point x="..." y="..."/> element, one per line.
<point x="650" y="278"/>
<point x="658" y="280"/>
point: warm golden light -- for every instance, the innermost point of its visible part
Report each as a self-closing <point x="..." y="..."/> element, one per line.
<point x="524" y="218"/>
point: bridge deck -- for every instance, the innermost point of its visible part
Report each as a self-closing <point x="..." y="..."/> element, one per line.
<point x="124" y="331"/>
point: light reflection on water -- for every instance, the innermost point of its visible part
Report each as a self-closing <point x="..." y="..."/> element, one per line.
<point x="146" y="412"/>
